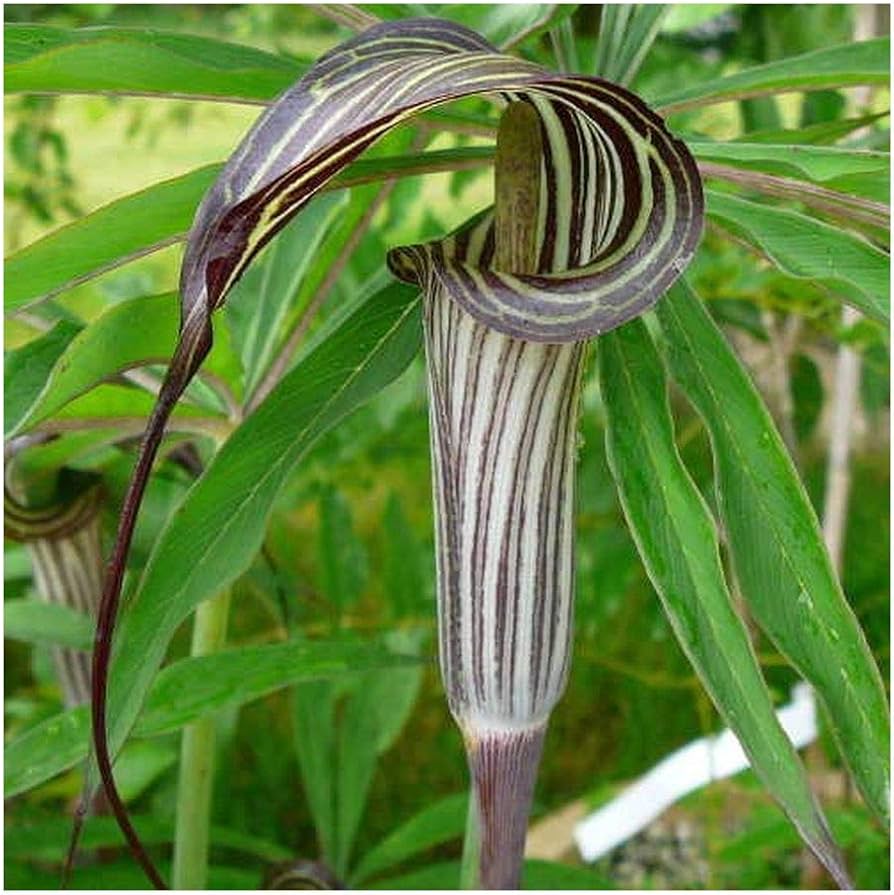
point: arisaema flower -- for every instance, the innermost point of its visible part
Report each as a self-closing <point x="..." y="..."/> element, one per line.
<point x="599" y="212"/>
<point x="62" y="538"/>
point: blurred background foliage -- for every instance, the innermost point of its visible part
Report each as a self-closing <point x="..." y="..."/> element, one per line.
<point x="350" y="545"/>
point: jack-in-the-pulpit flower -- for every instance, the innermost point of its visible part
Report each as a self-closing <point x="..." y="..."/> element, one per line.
<point x="618" y="217"/>
<point x="503" y="416"/>
<point x="63" y="541"/>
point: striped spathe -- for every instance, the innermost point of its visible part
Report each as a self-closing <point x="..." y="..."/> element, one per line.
<point x="63" y="541"/>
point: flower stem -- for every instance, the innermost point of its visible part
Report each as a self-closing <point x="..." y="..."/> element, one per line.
<point x="197" y="760"/>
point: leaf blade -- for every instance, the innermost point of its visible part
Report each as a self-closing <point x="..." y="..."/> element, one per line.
<point x="824" y="165"/>
<point x="26" y="370"/>
<point x="677" y="540"/>
<point x="438" y="823"/>
<point x="865" y="62"/>
<point x="776" y="545"/>
<point x="34" y="621"/>
<point x="139" y="61"/>
<point x="184" y="691"/>
<point x="807" y="248"/>
<point x="149" y="220"/>
<point x="121" y="231"/>
<point x="379" y="337"/>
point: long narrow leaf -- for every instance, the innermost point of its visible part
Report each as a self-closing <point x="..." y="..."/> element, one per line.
<point x="847" y="65"/>
<point x="438" y="823"/>
<point x="118" y="876"/>
<point x="127" y="228"/>
<point x="776" y="546"/>
<point x="151" y="219"/>
<point x="677" y="540"/>
<point x="34" y="621"/>
<point x="823" y="133"/>
<point x="45" y="840"/>
<point x="313" y="724"/>
<point x="26" y="370"/>
<point x="130" y="334"/>
<point x="850" y="209"/>
<point x="865" y="173"/>
<point x="186" y="690"/>
<point x="220" y="526"/>
<point x="643" y="28"/>
<point x="196" y="686"/>
<point x="263" y="299"/>
<point x="116" y="405"/>
<point x="139" y="61"/>
<point x="800" y="246"/>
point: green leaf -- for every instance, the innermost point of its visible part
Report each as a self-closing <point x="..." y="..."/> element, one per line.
<point x="355" y="767"/>
<point x="126" y="229"/>
<point x="342" y="556"/>
<point x="216" y="532"/>
<point x="47" y="749"/>
<point x="131" y="333"/>
<point x="160" y="215"/>
<point x="142" y="61"/>
<point x="314" y="733"/>
<point x="626" y="32"/>
<point x="121" y="876"/>
<point x="677" y="540"/>
<point x="46" y="840"/>
<point x="141" y="763"/>
<point x="77" y="449"/>
<point x="443" y="875"/>
<point x="336" y="242"/>
<point x="804" y="247"/>
<point x="186" y="690"/>
<point x="776" y="546"/>
<point x="261" y="300"/>
<point x="120" y="404"/>
<point x="865" y="62"/>
<point x="441" y="822"/>
<point x="26" y="370"/>
<point x="338" y="757"/>
<point x="197" y="686"/>
<point x="394" y="690"/>
<point x="821" y="133"/>
<point x="865" y="173"/>
<point x="645" y="23"/>
<point x="377" y="709"/>
<point x="34" y="621"/>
